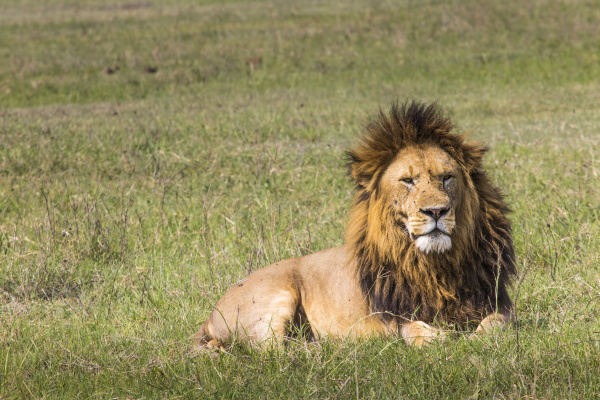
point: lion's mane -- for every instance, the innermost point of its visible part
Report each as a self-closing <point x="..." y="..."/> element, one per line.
<point x="460" y="286"/>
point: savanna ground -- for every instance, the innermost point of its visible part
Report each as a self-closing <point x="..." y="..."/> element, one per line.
<point x="153" y="153"/>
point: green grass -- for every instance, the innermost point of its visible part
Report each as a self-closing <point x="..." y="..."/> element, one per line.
<point x="130" y="201"/>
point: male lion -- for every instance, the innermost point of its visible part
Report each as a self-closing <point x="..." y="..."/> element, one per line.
<point x="428" y="243"/>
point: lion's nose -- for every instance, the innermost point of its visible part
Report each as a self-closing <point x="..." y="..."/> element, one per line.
<point x="435" y="213"/>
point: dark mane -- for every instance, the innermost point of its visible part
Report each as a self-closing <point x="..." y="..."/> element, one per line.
<point x="462" y="285"/>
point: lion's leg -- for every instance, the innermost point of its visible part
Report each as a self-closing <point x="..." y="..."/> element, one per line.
<point x="418" y="333"/>
<point x="271" y="318"/>
<point x="259" y="314"/>
<point x="493" y="321"/>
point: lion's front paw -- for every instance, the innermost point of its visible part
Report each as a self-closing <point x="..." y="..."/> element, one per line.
<point x="493" y="322"/>
<point x="419" y="333"/>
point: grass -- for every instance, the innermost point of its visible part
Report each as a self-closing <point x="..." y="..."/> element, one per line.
<point x="131" y="200"/>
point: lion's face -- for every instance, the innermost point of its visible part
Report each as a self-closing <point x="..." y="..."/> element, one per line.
<point x="422" y="187"/>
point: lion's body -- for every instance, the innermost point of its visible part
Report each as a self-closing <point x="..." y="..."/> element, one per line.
<point x="270" y="298"/>
<point x="427" y="243"/>
<point x="319" y="290"/>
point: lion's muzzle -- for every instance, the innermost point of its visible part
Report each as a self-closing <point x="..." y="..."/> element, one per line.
<point x="431" y="230"/>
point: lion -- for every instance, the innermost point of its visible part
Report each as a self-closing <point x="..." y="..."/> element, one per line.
<point x="428" y="245"/>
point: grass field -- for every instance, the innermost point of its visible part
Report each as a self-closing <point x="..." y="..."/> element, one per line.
<point x="153" y="153"/>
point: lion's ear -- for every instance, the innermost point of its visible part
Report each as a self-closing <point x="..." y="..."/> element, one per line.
<point x="362" y="178"/>
<point x="360" y="169"/>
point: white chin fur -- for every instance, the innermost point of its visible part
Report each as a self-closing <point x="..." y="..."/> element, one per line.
<point x="434" y="242"/>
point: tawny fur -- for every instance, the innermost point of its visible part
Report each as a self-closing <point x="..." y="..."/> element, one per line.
<point x="415" y="180"/>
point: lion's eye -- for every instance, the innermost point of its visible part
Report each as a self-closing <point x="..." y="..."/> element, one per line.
<point x="446" y="178"/>
<point x="408" y="181"/>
